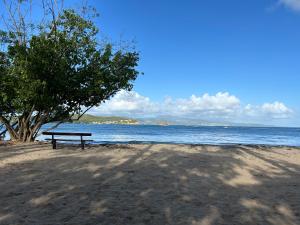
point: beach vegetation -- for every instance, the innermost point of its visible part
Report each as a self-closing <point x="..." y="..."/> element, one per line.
<point x="56" y="70"/>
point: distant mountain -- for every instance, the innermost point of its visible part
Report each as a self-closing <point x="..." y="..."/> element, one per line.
<point x="163" y="121"/>
<point x="106" y="120"/>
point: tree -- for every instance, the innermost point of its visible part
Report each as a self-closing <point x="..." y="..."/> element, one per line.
<point x="57" y="73"/>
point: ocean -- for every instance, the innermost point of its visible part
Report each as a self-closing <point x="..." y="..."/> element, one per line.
<point x="113" y="133"/>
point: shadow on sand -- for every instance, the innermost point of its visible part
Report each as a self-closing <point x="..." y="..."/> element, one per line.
<point x="149" y="184"/>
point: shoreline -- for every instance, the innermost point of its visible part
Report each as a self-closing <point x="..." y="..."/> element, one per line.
<point x="117" y="143"/>
<point x="194" y="144"/>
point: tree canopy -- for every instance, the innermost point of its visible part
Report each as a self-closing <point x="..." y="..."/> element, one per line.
<point x="58" y="72"/>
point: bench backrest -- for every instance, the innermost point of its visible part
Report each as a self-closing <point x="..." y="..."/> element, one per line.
<point x="66" y="134"/>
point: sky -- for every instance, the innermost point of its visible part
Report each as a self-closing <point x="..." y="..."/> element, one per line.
<point x="236" y="61"/>
<point x="215" y="60"/>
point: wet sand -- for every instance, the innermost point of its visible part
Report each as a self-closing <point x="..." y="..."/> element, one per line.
<point x="149" y="184"/>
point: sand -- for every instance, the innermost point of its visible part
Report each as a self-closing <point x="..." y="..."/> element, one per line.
<point x="149" y="184"/>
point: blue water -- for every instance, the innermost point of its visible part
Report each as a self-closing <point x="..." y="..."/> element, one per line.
<point x="102" y="133"/>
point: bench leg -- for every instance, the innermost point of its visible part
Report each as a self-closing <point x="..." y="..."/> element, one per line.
<point x="54" y="144"/>
<point x="82" y="144"/>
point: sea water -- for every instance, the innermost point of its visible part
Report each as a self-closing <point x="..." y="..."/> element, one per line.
<point x="113" y="133"/>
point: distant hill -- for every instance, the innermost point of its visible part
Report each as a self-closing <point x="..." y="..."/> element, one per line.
<point x="164" y="121"/>
<point x="87" y="118"/>
<point x="194" y="122"/>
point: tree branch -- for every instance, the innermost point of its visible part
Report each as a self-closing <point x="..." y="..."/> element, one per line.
<point x="83" y="113"/>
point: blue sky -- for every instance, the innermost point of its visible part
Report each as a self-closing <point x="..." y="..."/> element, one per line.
<point x="250" y="49"/>
<point x="218" y="60"/>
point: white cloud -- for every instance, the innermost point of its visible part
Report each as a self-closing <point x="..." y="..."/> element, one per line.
<point x="206" y="107"/>
<point x="126" y="103"/>
<point x="292" y="4"/>
<point x="134" y="104"/>
<point x="221" y="104"/>
<point x="276" y="110"/>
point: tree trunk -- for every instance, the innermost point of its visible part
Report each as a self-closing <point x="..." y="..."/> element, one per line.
<point x="29" y="131"/>
<point x="25" y="131"/>
<point x="12" y="133"/>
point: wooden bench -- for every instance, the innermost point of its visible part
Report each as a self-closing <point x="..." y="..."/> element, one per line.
<point x="54" y="140"/>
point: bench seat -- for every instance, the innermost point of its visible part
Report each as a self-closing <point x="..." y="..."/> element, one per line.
<point x="57" y="139"/>
<point x="54" y="140"/>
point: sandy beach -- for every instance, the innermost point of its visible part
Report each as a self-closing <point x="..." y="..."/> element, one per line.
<point x="149" y="184"/>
